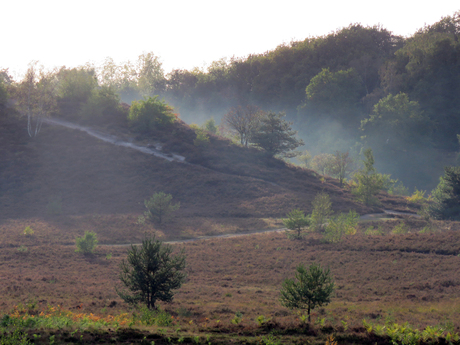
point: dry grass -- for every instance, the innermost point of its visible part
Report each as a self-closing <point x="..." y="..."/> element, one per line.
<point x="403" y="278"/>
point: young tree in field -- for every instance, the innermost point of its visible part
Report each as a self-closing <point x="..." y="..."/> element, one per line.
<point x="297" y="221"/>
<point x="446" y="196"/>
<point x="86" y="244"/>
<point x="159" y="207"/>
<point x="275" y="135"/>
<point x="342" y="165"/>
<point x="321" y="211"/>
<point x="312" y="287"/>
<point x="35" y="97"/>
<point x="244" y="121"/>
<point x="368" y="182"/>
<point x="151" y="273"/>
<point x="210" y="126"/>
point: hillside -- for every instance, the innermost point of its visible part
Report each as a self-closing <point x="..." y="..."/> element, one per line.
<point x="94" y="177"/>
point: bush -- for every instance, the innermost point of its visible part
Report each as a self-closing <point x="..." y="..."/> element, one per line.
<point x="446" y="196"/>
<point x="368" y="182"/>
<point x="310" y="288"/>
<point x="340" y="225"/>
<point x="86" y="244"/>
<point x="321" y="211"/>
<point x="151" y="272"/>
<point x="160" y="208"/>
<point x="297" y="221"/>
<point x="150" y="113"/>
<point x="28" y="231"/>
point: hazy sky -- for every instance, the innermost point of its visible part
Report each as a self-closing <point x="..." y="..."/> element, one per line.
<point x="186" y="34"/>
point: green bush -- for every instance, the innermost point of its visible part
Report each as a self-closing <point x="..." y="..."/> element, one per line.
<point x="297" y="221"/>
<point x="340" y="225"/>
<point x="160" y="208"/>
<point x="150" y="113"/>
<point x="322" y="209"/>
<point x="312" y="287"/>
<point x="368" y="183"/>
<point x="86" y="244"/>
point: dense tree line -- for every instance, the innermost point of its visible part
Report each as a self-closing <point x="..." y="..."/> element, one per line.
<point x="356" y="87"/>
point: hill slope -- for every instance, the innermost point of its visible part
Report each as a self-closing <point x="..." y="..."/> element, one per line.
<point x="91" y="176"/>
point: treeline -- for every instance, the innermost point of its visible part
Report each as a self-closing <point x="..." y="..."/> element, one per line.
<point x="356" y="87"/>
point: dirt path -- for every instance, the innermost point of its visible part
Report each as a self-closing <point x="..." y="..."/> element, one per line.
<point x="367" y="217"/>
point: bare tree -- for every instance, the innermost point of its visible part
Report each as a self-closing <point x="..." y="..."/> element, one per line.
<point x="35" y="97"/>
<point x="244" y="121"/>
<point x="342" y="165"/>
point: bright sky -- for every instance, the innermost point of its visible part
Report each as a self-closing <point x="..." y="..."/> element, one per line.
<point x="186" y="33"/>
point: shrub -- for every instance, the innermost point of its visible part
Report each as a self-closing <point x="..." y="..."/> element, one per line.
<point x="28" y="231"/>
<point x="151" y="272"/>
<point x="368" y="182"/>
<point x="400" y="229"/>
<point x="86" y="244"/>
<point x="340" y="225"/>
<point x="150" y="113"/>
<point x="297" y="221"/>
<point x="321" y="211"/>
<point x="417" y="197"/>
<point x="160" y="208"/>
<point x="310" y="288"/>
<point x="202" y="139"/>
<point x="446" y="196"/>
<point x="210" y="126"/>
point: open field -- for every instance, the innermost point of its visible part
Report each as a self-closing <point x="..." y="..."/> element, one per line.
<point x="401" y="278"/>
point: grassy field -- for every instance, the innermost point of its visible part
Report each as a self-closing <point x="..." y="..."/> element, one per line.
<point x="385" y="279"/>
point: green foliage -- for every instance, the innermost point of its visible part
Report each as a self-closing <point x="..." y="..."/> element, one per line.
<point x="340" y="225"/>
<point x="15" y="337"/>
<point x="150" y="317"/>
<point x="202" y="139"/>
<point x="238" y="318"/>
<point x="446" y="196"/>
<point x="322" y="163"/>
<point x="160" y="208"/>
<point x="86" y="244"/>
<point x="395" y="121"/>
<point x="407" y="335"/>
<point x="417" y="197"/>
<point x="297" y="221"/>
<point x="373" y="232"/>
<point x="312" y="287"/>
<point x="149" y="114"/>
<point x="368" y="182"/>
<point x="151" y="273"/>
<point x="275" y="136"/>
<point x="210" y="126"/>
<point x="28" y="231"/>
<point x="304" y="157"/>
<point x="341" y="166"/>
<point x="102" y="105"/>
<point x="262" y="320"/>
<point x="22" y="249"/>
<point x="400" y="229"/>
<point x="322" y="210"/>
<point x="75" y="87"/>
<point x="398" y="188"/>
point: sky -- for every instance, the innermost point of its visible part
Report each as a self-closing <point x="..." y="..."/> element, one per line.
<point x="186" y="34"/>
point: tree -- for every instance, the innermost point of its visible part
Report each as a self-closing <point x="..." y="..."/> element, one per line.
<point x="210" y="126"/>
<point x="150" y="113"/>
<point x="244" y="121"/>
<point x="159" y="207"/>
<point x="322" y="163"/>
<point x="311" y="287"/>
<point x="35" y="97"/>
<point x="368" y="182"/>
<point x="275" y="135"/>
<point x="151" y="272"/>
<point x="87" y="243"/>
<point x="296" y="220"/>
<point x="321" y="211"/>
<point x="342" y="165"/>
<point x="446" y="196"/>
